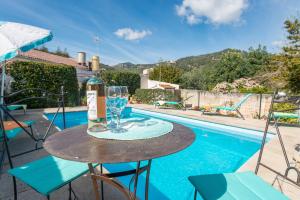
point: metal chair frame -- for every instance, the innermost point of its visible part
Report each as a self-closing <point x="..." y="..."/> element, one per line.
<point x="4" y="112"/>
<point x="276" y="99"/>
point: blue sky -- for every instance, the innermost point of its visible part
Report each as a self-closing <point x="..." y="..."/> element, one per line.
<point x="145" y="31"/>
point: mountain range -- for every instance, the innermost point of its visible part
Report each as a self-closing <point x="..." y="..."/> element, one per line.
<point x="190" y="61"/>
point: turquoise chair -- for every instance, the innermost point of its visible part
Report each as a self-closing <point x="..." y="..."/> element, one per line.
<point x="15" y="132"/>
<point x="235" y="107"/>
<point x="49" y="174"/>
<point x="233" y="186"/>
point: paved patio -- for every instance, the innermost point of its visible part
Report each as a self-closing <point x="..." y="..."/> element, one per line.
<point x="82" y="186"/>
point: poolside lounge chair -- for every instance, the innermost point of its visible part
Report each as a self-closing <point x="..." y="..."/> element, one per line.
<point x="232" y="186"/>
<point x="17" y="106"/>
<point x="162" y="103"/>
<point x="234" y="108"/>
<point x="283" y="115"/>
<point x="168" y="104"/>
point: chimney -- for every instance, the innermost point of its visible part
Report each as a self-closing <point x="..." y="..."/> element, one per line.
<point x="95" y="63"/>
<point x="81" y="58"/>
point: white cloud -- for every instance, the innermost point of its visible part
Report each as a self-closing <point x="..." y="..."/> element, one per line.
<point x="279" y="43"/>
<point x="130" y="34"/>
<point x="211" y="11"/>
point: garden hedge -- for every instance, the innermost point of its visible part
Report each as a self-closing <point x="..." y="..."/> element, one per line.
<point x="46" y="76"/>
<point x="124" y="78"/>
<point x="148" y="96"/>
<point x="115" y="77"/>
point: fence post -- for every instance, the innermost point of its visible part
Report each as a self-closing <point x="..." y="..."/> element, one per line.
<point x="260" y="101"/>
<point x="198" y="97"/>
<point x="63" y="105"/>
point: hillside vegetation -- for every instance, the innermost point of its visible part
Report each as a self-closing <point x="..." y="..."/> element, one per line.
<point x="265" y="70"/>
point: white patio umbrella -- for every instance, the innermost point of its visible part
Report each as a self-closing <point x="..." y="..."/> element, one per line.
<point x="15" y="38"/>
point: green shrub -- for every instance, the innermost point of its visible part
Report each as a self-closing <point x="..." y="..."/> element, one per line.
<point x="149" y="96"/>
<point x="166" y="73"/>
<point x="124" y="78"/>
<point x="46" y="76"/>
<point x="255" y="90"/>
<point x="285" y="106"/>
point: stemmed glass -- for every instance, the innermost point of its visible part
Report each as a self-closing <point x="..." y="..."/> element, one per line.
<point x="113" y="95"/>
<point x="124" y="96"/>
<point x="117" y="100"/>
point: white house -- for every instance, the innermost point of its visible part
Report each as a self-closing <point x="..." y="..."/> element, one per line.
<point x="146" y="83"/>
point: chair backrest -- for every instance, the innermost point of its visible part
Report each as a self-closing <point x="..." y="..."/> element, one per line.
<point x="237" y="105"/>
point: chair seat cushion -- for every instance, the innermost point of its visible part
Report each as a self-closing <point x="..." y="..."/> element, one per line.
<point x="233" y="186"/>
<point x="15" y="132"/>
<point x="49" y="173"/>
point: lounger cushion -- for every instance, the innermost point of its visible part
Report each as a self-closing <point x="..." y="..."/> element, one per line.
<point x="225" y="108"/>
<point x="233" y="186"/>
<point x="286" y="115"/>
<point x="15" y="107"/>
<point x="49" y="173"/>
<point x="172" y="102"/>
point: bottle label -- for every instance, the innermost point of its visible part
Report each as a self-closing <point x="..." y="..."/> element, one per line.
<point x="92" y="104"/>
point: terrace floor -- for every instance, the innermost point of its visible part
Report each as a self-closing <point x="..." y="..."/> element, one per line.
<point x="83" y="186"/>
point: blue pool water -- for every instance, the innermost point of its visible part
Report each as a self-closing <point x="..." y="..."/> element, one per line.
<point x="217" y="149"/>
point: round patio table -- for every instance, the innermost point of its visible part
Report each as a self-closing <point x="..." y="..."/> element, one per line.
<point x="76" y="145"/>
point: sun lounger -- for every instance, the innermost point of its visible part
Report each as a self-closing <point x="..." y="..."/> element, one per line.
<point x="280" y="115"/>
<point x="234" y="108"/>
<point x="168" y="104"/>
<point x="17" y="106"/>
<point x="232" y="186"/>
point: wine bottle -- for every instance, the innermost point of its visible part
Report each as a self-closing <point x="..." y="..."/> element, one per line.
<point x="96" y="104"/>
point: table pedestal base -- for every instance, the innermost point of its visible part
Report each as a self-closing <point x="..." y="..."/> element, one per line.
<point x="109" y="179"/>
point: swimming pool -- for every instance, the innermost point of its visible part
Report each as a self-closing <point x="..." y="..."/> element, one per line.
<point x="217" y="149"/>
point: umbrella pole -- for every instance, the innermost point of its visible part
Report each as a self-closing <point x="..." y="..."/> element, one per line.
<point x="2" y="83"/>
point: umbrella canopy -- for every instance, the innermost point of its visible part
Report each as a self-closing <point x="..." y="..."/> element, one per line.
<point x="15" y="38"/>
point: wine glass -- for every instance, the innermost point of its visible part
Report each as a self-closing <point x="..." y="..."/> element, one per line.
<point x="124" y="97"/>
<point x="113" y="97"/>
<point x="121" y="103"/>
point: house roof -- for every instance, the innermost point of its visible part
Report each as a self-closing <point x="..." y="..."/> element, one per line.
<point x="48" y="57"/>
<point x="166" y="86"/>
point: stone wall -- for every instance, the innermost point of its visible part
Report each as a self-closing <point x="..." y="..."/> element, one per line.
<point x="250" y="108"/>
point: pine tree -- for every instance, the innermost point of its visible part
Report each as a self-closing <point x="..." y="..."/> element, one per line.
<point x="292" y="53"/>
